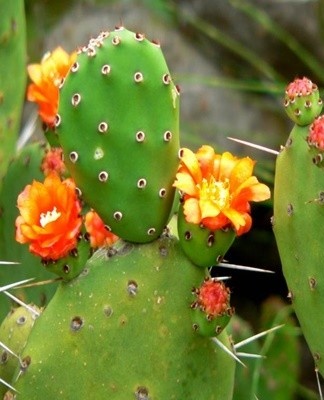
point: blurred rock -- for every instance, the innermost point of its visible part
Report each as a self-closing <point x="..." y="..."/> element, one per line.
<point x="208" y="114"/>
<point x="302" y="19"/>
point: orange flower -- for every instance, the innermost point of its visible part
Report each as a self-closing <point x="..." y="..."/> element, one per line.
<point x="100" y="235"/>
<point x="46" y="78"/>
<point x="53" y="161"/>
<point x="49" y="217"/>
<point x="217" y="189"/>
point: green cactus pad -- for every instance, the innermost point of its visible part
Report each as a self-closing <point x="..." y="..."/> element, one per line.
<point x="299" y="230"/>
<point x="203" y="247"/>
<point x="14" y="332"/>
<point x="118" y="127"/>
<point x="71" y="265"/>
<point x="123" y="330"/>
<point x="13" y="76"/>
<point x="212" y="327"/>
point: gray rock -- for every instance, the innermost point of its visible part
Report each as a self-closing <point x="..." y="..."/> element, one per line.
<point x="208" y="113"/>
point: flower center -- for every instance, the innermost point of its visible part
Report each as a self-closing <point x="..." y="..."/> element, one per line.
<point x="50" y="216"/>
<point x="215" y="192"/>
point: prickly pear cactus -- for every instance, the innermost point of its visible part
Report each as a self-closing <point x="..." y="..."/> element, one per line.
<point x="123" y="330"/>
<point x="12" y="76"/>
<point x="139" y="319"/>
<point x="14" y="332"/>
<point x="299" y="219"/>
<point x="121" y="140"/>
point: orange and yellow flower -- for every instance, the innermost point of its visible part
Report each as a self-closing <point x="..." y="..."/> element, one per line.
<point x="46" y="78"/>
<point x="49" y="217"/>
<point x="98" y="232"/>
<point x="217" y="189"/>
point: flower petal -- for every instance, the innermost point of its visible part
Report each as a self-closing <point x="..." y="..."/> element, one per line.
<point x="189" y="159"/>
<point x="252" y="190"/>
<point x="99" y="235"/>
<point x="242" y="171"/>
<point x="247" y="226"/>
<point x="46" y="78"/>
<point x="191" y="211"/>
<point x="215" y="223"/>
<point x="186" y="184"/>
<point x="205" y="156"/>
<point x="208" y="208"/>
<point x="35" y="73"/>
<point x="236" y="218"/>
<point x="227" y="163"/>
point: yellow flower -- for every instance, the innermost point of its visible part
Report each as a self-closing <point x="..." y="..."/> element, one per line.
<point x="49" y="217"/>
<point x="46" y="78"/>
<point x="217" y="189"/>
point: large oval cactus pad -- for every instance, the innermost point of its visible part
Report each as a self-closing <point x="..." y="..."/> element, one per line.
<point x="118" y="126"/>
<point x="123" y="330"/>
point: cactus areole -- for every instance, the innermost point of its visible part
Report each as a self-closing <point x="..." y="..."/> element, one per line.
<point x="118" y="126"/>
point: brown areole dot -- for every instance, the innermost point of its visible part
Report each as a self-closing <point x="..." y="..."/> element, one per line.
<point x="76" y="323"/>
<point x="103" y="176"/>
<point x="312" y="283"/>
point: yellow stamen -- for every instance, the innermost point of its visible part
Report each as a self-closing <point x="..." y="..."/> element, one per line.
<point x="215" y="192"/>
<point x="50" y="216"/>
